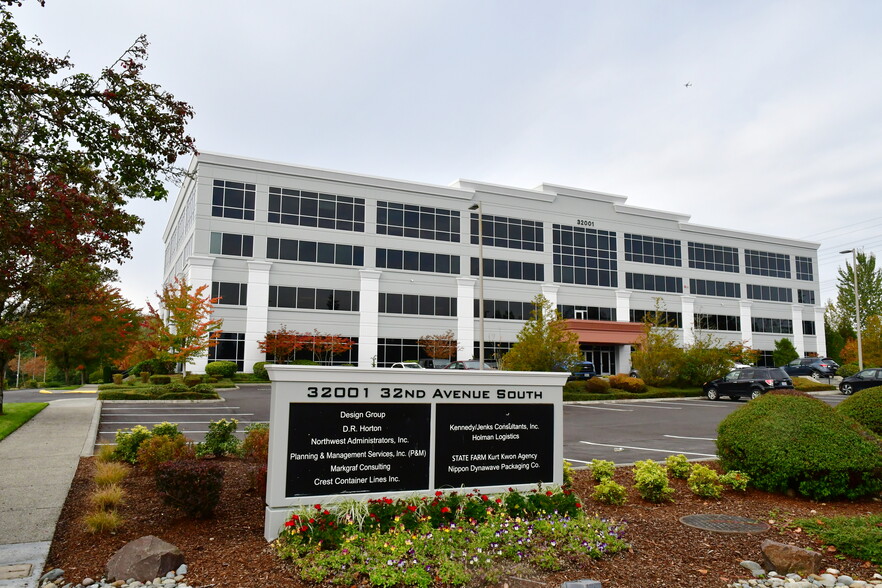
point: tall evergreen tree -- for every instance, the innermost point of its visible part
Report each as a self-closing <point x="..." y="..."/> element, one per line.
<point x="869" y="283"/>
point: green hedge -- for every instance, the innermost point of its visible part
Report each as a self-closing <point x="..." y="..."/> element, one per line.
<point x="795" y="442"/>
<point x="175" y="391"/>
<point x="865" y="407"/>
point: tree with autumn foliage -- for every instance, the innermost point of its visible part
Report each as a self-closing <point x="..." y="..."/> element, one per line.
<point x="73" y="150"/>
<point x="187" y="331"/>
<point x="544" y="344"/>
<point x="871" y="343"/>
<point x="90" y="333"/>
<point x="282" y="344"/>
<point x="441" y="346"/>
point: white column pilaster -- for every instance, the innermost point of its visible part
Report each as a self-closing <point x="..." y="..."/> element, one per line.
<point x="820" y="331"/>
<point x="199" y="273"/>
<point x="257" y="317"/>
<point x="465" y="318"/>
<point x="688" y="315"/>
<point x="368" y="317"/>
<point x="746" y="330"/>
<point x="623" y="306"/>
<point x="798" y="335"/>
<point x="549" y="291"/>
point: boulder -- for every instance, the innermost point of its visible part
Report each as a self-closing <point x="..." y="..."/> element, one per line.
<point x="789" y="559"/>
<point x="144" y="559"/>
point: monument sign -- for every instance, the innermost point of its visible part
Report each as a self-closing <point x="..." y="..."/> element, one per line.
<point x="338" y="433"/>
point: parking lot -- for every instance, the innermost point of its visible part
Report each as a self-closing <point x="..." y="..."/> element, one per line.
<point x="625" y="432"/>
<point x="621" y="432"/>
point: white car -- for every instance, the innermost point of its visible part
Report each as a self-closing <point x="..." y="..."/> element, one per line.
<point x="408" y="365"/>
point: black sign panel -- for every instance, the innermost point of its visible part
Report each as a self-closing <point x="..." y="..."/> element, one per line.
<point x="493" y="444"/>
<point x="351" y="448"/>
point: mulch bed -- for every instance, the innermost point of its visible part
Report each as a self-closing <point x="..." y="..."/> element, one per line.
<point x="229" y="550"/>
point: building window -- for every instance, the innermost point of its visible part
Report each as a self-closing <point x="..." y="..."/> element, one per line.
<point x="232" y="200"/>
<point x="717" y="322"/>
<point x="230" y="347"/>
<point x="493" y="350"/>
<point x="417" y="261"/>
<point x="505" y="309"/>
<point x="771" y="325"/>
<point x="808" y="328"/>
<point x="645" y="249"/>
<point x="804" y="268"/>
<point x="230" y="244"/>
<point x="419" y="222"/>
<point x="512" y="270"/>
<point x="310" y="209"/>
<point x="584" y="256"/>
<point x="391" y="351"/>
<point x="312" y="298"/>
<point x="653" y="283"/>
<point x="310" y="251"/>
<point x="230" y="293"/>
<point x="415" y="304"/>
<point x="712" y="288"/>
<point x="765" y="359"/>
<point x="668" y="318"/>
<point x="763" y="263"/>
<point x="717" y="258"/>
<point x="805" y="296"/>
<point x="591" y="313"/>
<point x="770" y="293"/>
<point x="514" y="233"/>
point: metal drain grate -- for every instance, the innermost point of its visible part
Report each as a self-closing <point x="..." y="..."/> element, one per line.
<point x="721" y="523"/>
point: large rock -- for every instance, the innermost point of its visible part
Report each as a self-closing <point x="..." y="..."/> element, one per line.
<point x="144" y="559"/>
<point x="789" y="559"/>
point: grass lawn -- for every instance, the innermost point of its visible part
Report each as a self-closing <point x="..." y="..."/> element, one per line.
<point x="15" y="415"/>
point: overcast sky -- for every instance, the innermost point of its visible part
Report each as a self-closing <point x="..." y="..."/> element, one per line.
<point x="779" y="133"/>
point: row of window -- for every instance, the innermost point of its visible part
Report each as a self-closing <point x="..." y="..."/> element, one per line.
<point x="590" y="313"/>
<point x="653" y="283"/>
<point x="313" y="298"/>
<point x="713" y="288"/>
<point x="417" y="304"/>
<point x="331" y="211"/>
<point x="717" y="322"/>
<point x="771" y="325"/>
<point x="513" y="270"/>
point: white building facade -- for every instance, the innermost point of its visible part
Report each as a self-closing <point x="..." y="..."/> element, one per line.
<point x="385" y="262"/>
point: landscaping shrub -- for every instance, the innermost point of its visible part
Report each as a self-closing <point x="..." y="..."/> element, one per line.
<point x="160" y="380"/>
<point x="865" y="407"/>
<point x="128" y="441"/>
<point x="220" y="439"/>
<point x="795" y="442"/>
<point x="651" y="481"/>
<point x="602" y="469"/>
<point x="204" y="390"/>
<point x="110" y="472"/>
<point x="627" y="383"/>
<point x="160" y="449"/>
<point x="678" y="465"/>
<point x="118" y="379"/>
<point x="34" y="384"/>
<point x="191" y="380"/>
<point x="259" y="370"/>
<point x="166" y="429"/>
<point x="810" y="385"/>
<point x="192" y="486"/>
<point x="96" y="377"/>
<point x="108" y="497"/>
<point x="255" y="447"/>
<point x="103" y="521"/>
<point x="304" y="362"/>
<point x="735" y="480"/>
<point x="222" y="369"/>
<point x="576" y="387"/>
<point x="848" y="369"/>
<point x="145" y="377"/>
<point x="610" y="492"/>
<point x="597" y="385"/>
<point x="858" y="537"/>
<point x="704" y="482"/>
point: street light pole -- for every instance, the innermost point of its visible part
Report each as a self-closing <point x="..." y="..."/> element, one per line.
<point x="477" y="206"/>
<point x="857" y="305"/>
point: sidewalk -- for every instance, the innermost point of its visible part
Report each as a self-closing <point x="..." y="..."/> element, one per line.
<point x="38" y="463"/>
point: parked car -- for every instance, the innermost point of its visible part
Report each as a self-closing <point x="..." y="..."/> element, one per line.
<point x="867" y="378"/>
<point x="751" y="382"/>
<point x="811" y="366"/>
<point x="583" y="370"/>
<point x="471" y="364"/>
<point x="407" y="365"/>
<point x="434" y="364"/>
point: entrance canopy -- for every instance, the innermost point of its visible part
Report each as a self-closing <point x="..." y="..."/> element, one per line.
<point x="606" y="332"/>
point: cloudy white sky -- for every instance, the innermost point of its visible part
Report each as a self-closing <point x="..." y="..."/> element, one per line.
<point x="780" y="132"/>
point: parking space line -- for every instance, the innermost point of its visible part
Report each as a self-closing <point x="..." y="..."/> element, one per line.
<point x="655" y="405"/>
<point x="697" y="438"/>
<point x="570" y="459"/>
<point x="137" y="408"/>
<point x="649" y="449"/>
<point x="595" y="407"/>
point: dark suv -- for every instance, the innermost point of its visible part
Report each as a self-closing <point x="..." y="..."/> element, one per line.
<point x="811" y="366"/>
<point x="583" y="370"/>
<point x="750" y="382"/>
